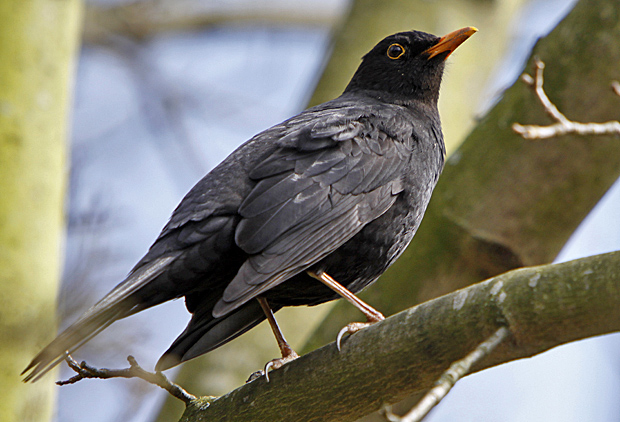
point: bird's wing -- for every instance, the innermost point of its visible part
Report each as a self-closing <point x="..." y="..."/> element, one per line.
<point x="330" y="176"/>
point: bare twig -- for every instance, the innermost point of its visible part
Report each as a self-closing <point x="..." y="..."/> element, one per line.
<point x="563" y="125"/>
<point x="448" y="379"/>
<point x="84" y="371"/>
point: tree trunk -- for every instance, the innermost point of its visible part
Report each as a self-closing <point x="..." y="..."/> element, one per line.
<point x="38" y="42"/>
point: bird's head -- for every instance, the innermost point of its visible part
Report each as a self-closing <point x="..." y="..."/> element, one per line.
<point x="407" y="66"/>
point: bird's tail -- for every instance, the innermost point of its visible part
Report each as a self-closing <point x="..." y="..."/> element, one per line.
<point x="205" y="333"/>
<point x="124" y="300"/>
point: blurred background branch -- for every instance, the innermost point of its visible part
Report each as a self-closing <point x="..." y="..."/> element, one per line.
<point x="147" y="18"/>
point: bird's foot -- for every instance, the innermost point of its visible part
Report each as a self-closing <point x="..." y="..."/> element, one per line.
<point x="279" y="363"/>
<point x="273" y="364"/>
<point x="354" y="327"/>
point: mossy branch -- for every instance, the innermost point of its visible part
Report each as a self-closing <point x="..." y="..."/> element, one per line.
<point x="543" y="307"/>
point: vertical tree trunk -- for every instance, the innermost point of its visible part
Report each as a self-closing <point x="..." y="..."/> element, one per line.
<point x="38" y="41"/>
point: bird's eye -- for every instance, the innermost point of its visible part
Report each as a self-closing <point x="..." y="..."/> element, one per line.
<point x="395" y="51"/>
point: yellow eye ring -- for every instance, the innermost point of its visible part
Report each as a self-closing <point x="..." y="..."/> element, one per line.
<point x="395" y="51"/>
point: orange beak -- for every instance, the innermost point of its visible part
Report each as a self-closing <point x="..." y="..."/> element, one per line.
<point x="450" y="42"/>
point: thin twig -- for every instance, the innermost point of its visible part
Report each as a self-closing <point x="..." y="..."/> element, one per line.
<point x="563" y="125"/>
<point x="449" y="378"/>
<point x="84" y="371"/>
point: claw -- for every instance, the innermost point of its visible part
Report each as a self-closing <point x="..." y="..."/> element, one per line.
<point x="344" y="330"/>
<point x="268" y="366"/>
<point x="278" y="363"/>
<point x="352" y="328"/>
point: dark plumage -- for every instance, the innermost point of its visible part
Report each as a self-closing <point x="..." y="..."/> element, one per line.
<point x="340" y="188"/>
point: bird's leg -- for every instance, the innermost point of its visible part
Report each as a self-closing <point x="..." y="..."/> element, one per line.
<point x="372" y="315"/>
<point x="288" y="354"/>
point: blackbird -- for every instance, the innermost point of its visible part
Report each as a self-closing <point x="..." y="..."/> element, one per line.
<point x="312" y="209"/>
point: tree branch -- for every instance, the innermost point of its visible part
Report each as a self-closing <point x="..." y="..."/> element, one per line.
<point x="564" y="125"/>
<point x="85" y="371"/>
<point x="542" y="307"/>
<point x="141" y="19"/>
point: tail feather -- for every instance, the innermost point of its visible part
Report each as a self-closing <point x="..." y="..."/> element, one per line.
<point x="122" y="301"/>
<point x="205" y="334"/>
